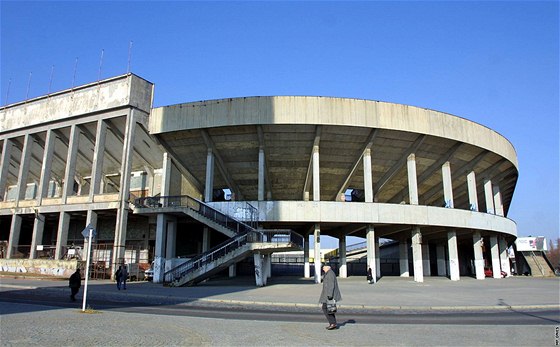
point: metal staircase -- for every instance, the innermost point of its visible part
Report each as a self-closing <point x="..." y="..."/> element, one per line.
<point x="244" y="240"/>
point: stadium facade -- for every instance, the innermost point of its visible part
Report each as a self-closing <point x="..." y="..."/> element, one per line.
<point x="152" y="183"/>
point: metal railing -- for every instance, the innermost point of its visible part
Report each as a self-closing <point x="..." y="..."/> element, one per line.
<point x="200" y="208"/>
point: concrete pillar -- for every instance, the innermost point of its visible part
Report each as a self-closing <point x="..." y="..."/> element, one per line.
<point x="15" y="230"/>
<point x="46" y="166"/>
<point x="426" y="259"/>
<point x="317" y="249"/>
<point x="306" y="265"/>
<point x="488" y="197"/>
<point x="37" y="237"/>
<point x="377" y="258"/>
<point x="205" y="239"/>
<point x="371" y="252"/>
<point x="342" y="271"/>
<point x="261" y="183"/>
<point x="159" y="252"/>
<point x="417" y="255"/>
<point x="71" y="158"/>
<point x="98" y="157"/>
<point x="368" y="180"/>
<point x="126" y="171"/>
<point x="412" y="180"/>
<point x="24" y="168"/>
<point x="497" y="197"/>
<point x="471" y="186"/>
<point x="209" y="186"/>
<point x="495" y="253"/>
<point x="62" y="234"/>
<point x="171" y="238"/>
<point x="447" y="184"/>
<point x="232" y="271"/>
<point x="478" y="256"/>
<point x="453" y="255"/>
<point x="91" y="219"/>
<point x="441" y="263"/>
<point x="165" y="177"/>
<point x="268" y="265"/>
<point x="316" y="174"/>
<point x="259" y="278"/>
<point x="504" y="256"/>
<point x="403" y="258"/>
<point x="4" y="166"/>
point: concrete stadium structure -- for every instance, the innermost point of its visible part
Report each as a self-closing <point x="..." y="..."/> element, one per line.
<point x="100" y="155"/>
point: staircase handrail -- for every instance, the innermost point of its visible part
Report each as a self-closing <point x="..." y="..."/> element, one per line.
<point x="197" y="206"/>
<point x="533" y="255"/>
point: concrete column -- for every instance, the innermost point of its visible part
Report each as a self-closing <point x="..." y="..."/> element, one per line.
<point x="447" y="184"/>
<point x="159" y="256"/>
<point x="377" y="258"/>
<point x="441" y="264"/>
<point x="412" y="179"/>
<point x="371" y="252"/>
<point x="205" y="239"/>
<point x="268" y="265"/>
<point x="62" y="234"/>
<point x="426" y="259"/>
<point x="417" y="255"/>
<point x="453" y="255"/>
<point x="91" y="219"/>
<point x="24" y="168"/>
<point x="478" y="256"/>
<point x="126" y="171"/>
<point x="37" y="237"/>
<point x="504" y="256"/>
<point x="342" y="271"/>
<point x="403" y="258"/>
<point x="171" y="238"/>
<point x="98" y="157"/>
<point x="495" y="253"/>
<point x="232" y="270"/>
<point x="261" y="174"/>
<point x="498" y="206"/>
<point x="15" y="230"/>
<point x="317" y="249"/>
<point x="368" y="180"/>
<point x="471" y="186"/>
<point x="259" y="278"/>
<point x="71" y="159"/>
<point x="4" y="166"/>
<point x="316" y="179"/>
<point x="488" y="196"/>
<point x="209" y="187"/>
<point x="46" y="166"/>
<point x="306" y="266"/>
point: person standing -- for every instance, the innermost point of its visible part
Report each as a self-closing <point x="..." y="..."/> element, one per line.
<point x="118" y="277"/>
<point x="369" y="276"/>
<point x="124" y="276"/>
<point x="75" y="282"/>
<point x="330" y="292"/>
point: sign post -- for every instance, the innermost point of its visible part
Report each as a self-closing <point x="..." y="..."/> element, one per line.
<point x="89" y="233"/>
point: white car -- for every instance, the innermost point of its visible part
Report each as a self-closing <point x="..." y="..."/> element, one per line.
<point x="149" y="274"/>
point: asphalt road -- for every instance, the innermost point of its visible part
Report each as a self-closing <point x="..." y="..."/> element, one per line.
<point x="29" y="319"/>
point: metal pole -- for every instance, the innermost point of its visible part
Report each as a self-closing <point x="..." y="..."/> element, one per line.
<point x="87" y="271"/>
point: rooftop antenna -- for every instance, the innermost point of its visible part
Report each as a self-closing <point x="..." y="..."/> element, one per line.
<point x="50" y="82"/>
<point x="129" y="56"/>
<point x="28" y="85"/>
<point x="100" y="64"/>
<point x="8" y="91"/>
<point x="74" y="77"/>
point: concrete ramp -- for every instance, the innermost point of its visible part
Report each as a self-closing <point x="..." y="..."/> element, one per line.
<point x="538" y="263"/>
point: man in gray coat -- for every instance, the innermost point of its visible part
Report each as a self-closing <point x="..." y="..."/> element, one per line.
<point x="330" y="292"/>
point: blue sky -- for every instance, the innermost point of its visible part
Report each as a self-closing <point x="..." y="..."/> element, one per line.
<point x="495" y="63"/>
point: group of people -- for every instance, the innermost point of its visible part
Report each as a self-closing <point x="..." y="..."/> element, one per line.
<point x="75" y="281"/>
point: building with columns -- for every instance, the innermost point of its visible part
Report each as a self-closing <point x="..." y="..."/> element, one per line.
<point x="100" y="155"/>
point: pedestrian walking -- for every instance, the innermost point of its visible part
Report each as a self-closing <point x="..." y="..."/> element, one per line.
<point x="369" y="276"/>
<point x="118" y="277"/>
<point x="75" y="282"/>
<point x="329" y="294"/>
<point x="124" y="276"/>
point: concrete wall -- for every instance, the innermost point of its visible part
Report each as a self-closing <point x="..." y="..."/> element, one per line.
<point x="48" y="267"/>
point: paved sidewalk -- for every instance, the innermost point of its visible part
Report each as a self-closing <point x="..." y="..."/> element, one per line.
<point x="389" y="293"/>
